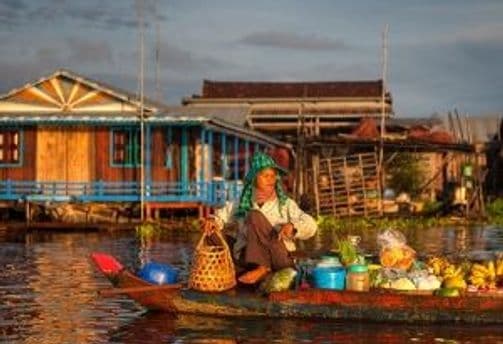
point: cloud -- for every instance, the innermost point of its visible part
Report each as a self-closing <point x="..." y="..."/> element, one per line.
<point x="109" y="15"/>
<point x="11" y="12"/>
<point x="178" y="59"/>
<point x="93" y="51"/>
<point x="12" y="5"/>
<point x="486" y="33"/>
<point x="289" y="40"/>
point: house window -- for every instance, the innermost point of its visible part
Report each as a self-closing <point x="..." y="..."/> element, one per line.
<point x="126" y="147"/>
<point x="9" y="146"/>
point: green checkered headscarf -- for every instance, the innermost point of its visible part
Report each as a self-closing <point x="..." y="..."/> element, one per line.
<point x="259" y="162"/>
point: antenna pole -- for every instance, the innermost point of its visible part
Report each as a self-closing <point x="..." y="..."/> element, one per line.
<point x="158" y="57"/>
<point x="142" y="137"/>
<point x="383" y="104"/>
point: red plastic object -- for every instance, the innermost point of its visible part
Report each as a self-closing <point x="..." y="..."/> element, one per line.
<point x="106" y="263"/>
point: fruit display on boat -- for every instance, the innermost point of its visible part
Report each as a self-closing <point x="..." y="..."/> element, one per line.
<point x="483" y="276"/>
<point x="398" y="257"/>
<point x="400" y="270"/>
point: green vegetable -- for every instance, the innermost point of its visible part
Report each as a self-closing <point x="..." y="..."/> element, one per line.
<point x="347" y="252"/>
<point x="402" y="283"/>
<point x="448" y="292"/>
<point x="279" y="281"/>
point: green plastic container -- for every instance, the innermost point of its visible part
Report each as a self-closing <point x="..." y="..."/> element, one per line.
<point x="358" y="278"/>
<point x="358" y="268"/>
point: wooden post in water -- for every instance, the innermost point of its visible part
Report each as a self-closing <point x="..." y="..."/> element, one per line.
<point x="27" y="212"/>
<point x="315" y="160"/>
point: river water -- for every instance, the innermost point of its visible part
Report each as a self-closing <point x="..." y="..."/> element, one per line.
<point x="48" y="293"/>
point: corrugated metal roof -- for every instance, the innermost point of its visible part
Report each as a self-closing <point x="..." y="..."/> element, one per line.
<point x="235" y="115"/>
<point x="482" y="128"/>
<point x="173" y="118"/>
<point x="273" y="89"/>
<point x="412" y="122"/>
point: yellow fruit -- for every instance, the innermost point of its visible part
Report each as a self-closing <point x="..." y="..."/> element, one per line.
<point x="454" y="282"/>
<point x="479" y="268"/>
<point x="438" y="265"/>
<point x="391" y="256"/>
<point x="499" y="267"/>
<point x="490" y="269"/>
<point x="483" y="276"/>
<point x="477" y="281"/>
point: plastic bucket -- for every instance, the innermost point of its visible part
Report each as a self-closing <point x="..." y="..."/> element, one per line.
<point x="158" y="273"/>
<point x="329" y="262"/>
<point x="329" y="278"/>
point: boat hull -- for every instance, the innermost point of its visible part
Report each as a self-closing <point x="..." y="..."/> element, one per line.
<point x="379" y="306"/>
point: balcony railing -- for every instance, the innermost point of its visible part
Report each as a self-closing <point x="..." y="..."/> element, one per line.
<point x="212" y="193"/>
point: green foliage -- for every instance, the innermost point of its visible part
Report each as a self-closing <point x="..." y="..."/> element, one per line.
<point x="147" y="230"/>
<point x="406" y="174"/>
<point x="495" y="211"/>
<point x="432" y="207"/>
<point x="360" y="224"/>
<point x="347" y="252"/>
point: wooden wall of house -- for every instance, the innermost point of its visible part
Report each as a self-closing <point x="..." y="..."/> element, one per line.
<point x="64" y="154"/>
<point x="104" y="170"/>
<point x="432" y="166"/>
<point x="27" y="169"/>
<point x="161" y="171"/>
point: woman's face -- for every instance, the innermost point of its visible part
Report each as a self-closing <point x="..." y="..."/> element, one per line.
<point x="266" y="179"/>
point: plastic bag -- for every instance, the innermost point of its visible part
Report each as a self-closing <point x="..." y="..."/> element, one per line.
<point x="395" y="253"/>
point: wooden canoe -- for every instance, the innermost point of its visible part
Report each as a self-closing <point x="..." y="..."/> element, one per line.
<point x="311" y="303"/>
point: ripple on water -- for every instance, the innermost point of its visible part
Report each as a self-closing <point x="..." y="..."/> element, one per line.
<point x="48" y="294"/>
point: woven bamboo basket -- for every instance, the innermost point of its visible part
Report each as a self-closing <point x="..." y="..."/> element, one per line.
<point x="212" y="266"/>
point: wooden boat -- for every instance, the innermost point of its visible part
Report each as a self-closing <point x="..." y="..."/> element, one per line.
<point x="311" y="303"/>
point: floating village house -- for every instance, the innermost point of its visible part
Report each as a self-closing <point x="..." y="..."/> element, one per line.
<point x="310" y="115"/>
<point x="335" y="129"/>
<point x="69" y="143"/>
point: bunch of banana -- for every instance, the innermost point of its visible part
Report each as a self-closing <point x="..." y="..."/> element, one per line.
<point x="438" y="265"/>
<point x="499" y="271"/>
<point x="499" y="267"/>
<point x="451" y="271"/>
<point x="483" y="275"/>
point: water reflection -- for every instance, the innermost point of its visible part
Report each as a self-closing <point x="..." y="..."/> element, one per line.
<point x="162" y="328"/>
<point x="48" y="293"/>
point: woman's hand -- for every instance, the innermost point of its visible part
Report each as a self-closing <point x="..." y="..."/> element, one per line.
<point x="287" y="231"/>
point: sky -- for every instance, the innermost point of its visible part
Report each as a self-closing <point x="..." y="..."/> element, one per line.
<point x="442" y="55"/>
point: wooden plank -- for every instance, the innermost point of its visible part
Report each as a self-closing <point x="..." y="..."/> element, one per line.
<point x="51" y="156"/>
<point x="80" y="157"/>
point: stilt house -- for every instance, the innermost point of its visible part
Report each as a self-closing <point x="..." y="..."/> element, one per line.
<point x="68" y="139"/>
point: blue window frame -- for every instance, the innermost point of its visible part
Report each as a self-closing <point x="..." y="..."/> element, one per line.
<point x="125" y="147"/>
<point x="10" y="147"/>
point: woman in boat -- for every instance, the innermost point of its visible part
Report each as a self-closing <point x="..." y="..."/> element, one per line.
<point x="268" y="222"/>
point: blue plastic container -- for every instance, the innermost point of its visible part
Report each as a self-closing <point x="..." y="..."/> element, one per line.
<point x="158" y="273"/>
<point x="329" y="278"/>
